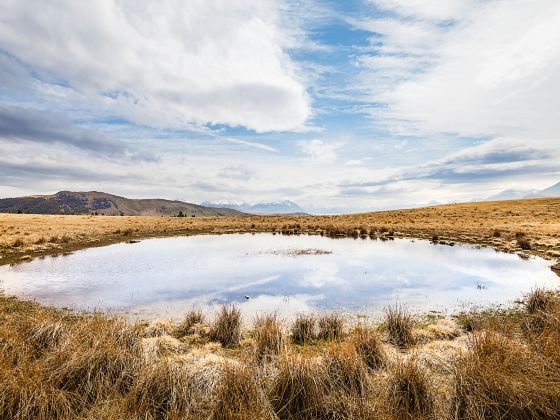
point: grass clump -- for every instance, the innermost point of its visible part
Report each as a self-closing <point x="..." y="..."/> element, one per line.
<point x="303" y="328"/>
<point x="330" y="326"/>
<point x="500" y="377"/>
<point x="268" y="335"/>
<point x="399" y="324"/>
<point x="227" y="326"/>
<point x="163" y="390"/>
<point x="239" y="395"/>
<point x="538" y="300"/>
<point x="102" y="356"/>
<point x="346" y="370"/>
<point x="299" y="387"/>
<point x="369" y="347"/>
<point x="409" y="394"/>
<point x="190" y="320"/>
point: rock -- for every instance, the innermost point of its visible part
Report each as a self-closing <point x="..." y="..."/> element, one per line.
<point x="556" y="267"/>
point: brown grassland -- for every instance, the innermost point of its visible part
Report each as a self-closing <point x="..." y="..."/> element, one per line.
<point x="531" y="226"/>
<point x="496" y="364"/>
<point x="487" y="364"/>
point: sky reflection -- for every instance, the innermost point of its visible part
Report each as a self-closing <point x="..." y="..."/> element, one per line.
<point x="165" y="277"/>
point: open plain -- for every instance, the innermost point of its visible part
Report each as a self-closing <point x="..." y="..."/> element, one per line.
<point x="528" y="226"/>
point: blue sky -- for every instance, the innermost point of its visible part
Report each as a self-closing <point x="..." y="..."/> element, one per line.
<point x="339" y="106"/>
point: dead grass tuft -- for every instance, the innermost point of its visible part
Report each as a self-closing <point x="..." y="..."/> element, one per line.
<point x="239" y="394"/>
<point x="303" y="328"/>
<point x="409" y="394"/>
<point x="163" y="390"/>
<point x="299" y="387"/>
<point x="346" y="370"/>
<point x="500" y="377"/>
<point x="400" y="326"/>
<point x="227" y="326"/>
<point x="269" y="336"/>
<point x="369" y="347"/>
<point x="330" y="326"/>
<point x="187" y="326"/>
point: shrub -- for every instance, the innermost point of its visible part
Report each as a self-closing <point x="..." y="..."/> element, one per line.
<point x="227" y="326"/>
<point x="368" y="345"/>
<point x="191" y="318"/>
<point x="269" y="337"/>
<point x="399" y="325"/>
<point x="330" y="326"/>
<point x="303" y="328"/>
<point x="408" y="391"/>
<point x="524" y="244"/>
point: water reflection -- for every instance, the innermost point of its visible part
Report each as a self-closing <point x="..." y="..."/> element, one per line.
<point x="289" y="274"/>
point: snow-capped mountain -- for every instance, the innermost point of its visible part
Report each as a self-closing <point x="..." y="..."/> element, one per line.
<point x="272" y="207"/>
<point x="553" y="191"/>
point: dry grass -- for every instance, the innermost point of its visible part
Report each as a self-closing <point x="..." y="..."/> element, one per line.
<point x="227" y="326"/>
<point x="369" y="347"/>
<point x="303" y="328"/>
<point x="299" y="387"/>
<point x="409" y="394"/>
<point x="330" y="326"/>
<point x="187" y="326"/>
<point x="269" y="336"/>
<point x="501" y="377"/>
<point x="400" y="325"/>
<point x="538" y="300"/>
<point x="475" y="223"/>
<point x="239" y="395"/>
<point x="64" y="365"/>
<point x="163" y="390"/>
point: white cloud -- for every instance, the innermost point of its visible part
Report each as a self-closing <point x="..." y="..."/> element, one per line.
<point x="168" y="63"/>
<point x="495" y="72"/>
<point x="441" y="10"/>
<point x="318" y="151"/>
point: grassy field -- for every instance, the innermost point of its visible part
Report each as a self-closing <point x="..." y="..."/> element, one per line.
<point x="530" y="226"/>
<point x="487" y="365"/>
<point x="494" y="364"/>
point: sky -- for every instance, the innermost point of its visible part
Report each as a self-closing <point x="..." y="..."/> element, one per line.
<point x="340" y="106"/>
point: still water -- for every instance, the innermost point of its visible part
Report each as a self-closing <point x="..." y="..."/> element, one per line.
<point x="164" y="277"/>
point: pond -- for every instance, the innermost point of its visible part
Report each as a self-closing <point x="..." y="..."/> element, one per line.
<point x="164" y="277"/>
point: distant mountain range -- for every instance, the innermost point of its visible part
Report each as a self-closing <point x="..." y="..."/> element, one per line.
<point x="553" y="191"/>
<point x="274" y="207"/>
<point x="68" y="202"/>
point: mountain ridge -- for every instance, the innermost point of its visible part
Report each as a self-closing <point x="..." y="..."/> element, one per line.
<point x="513" y="194"/>
<point x="95" y="202"/>
<point x="263" y="207"/>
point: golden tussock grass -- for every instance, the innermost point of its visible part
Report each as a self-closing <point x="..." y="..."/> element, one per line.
<point x="330" y="326"/>
<point x="226" y="329"/>
<point x="269" y="336"/>
<point x="303" y="328"/>
<point x="400" y="325"/>
<point x="65" y="365"/>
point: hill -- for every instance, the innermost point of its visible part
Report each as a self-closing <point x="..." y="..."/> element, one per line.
<point x="68" y="202"/>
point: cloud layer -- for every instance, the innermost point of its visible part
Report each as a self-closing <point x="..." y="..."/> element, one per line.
<point x="169" y="63"/>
